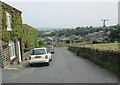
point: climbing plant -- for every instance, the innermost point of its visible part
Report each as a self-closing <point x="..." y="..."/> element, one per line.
<point x="26" y="33"/>
<point x="16" y="23"/>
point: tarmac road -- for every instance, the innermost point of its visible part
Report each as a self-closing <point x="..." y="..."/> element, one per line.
<point x="65" y="67"/>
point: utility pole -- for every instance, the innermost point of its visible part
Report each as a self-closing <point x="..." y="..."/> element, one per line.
<point x="104" y="20"/>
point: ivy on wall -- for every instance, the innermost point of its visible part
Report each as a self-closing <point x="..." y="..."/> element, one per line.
<point x="16" y="23"/>
<point x="27" y="33"/>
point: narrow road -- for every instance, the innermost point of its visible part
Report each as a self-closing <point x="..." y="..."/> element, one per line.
<point x="66" y="67"/>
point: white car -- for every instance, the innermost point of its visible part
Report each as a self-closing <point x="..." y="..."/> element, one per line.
<point x="40" y="55"/>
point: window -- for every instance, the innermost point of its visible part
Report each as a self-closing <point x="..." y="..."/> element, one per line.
<point x="12" y="50"/>
<point x="48" y="51"/>
<point x="8" y="21"/>
<point x="38" y="52"/>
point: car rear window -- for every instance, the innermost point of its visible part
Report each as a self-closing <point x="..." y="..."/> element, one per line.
<point x="49" y="46"/>
<point x="38" y="52"/>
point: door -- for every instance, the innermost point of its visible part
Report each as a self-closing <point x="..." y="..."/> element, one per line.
<point x="19" y="50"/>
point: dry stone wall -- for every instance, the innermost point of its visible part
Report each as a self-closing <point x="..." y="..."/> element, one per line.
<point x="105" y="58"/>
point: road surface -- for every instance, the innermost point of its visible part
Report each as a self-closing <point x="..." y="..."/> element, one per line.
<point x="66" y="67"/>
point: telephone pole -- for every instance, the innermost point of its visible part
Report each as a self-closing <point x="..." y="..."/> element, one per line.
<point x="104" y="20"/>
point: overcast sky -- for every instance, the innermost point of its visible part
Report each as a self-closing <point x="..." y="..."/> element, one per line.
<point x="69" y="14"/>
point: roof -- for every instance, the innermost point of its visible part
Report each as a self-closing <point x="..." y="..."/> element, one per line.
<point x="39" y="48"/>
<point x="50" y="38"/>
<point x="65" y="39"/>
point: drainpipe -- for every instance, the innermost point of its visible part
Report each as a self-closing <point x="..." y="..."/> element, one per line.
<point x="21" y="44"/>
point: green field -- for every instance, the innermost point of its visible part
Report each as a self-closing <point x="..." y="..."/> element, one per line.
<point x="103" y="46"/>
<point x="48" y="32"/>
<point x="108" y="46"/>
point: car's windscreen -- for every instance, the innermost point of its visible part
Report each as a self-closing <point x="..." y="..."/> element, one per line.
<point x="38" y="52"/>
<point x="49" y="46"/>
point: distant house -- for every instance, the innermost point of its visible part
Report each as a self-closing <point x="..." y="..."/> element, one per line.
<point x="74" y="37"/>
<point x="11" y="35"/>
<point x="64" y="39"/>
<point x="48" y="39"/>
<point x="95" y="36"/>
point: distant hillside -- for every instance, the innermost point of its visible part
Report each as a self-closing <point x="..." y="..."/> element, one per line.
<point x="48" y="32"/>
<point x="48" y="28"/>
<point x="83" y="31"/>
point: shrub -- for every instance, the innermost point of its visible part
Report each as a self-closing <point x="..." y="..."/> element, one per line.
<point x="67" y="41"/>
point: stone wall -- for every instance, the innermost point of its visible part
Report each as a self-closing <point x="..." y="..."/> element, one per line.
<point x="5" y="56"/>
<point x="14" y="35"/>
<point x="105" y="58"/>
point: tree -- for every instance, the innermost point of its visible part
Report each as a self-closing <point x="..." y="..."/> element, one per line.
<point x="67" y="41"/>
<point x="115" y="35"/>
<point x="77" y="28"/>
<point x="40" y="43"/>
<point x="48" y="43"/>
<point x="95" y="42"/>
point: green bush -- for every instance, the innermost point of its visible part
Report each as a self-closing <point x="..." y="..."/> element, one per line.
<point x="48" y="43"/>
<point x="67" y="41"/>
<point x="40" y="43"/>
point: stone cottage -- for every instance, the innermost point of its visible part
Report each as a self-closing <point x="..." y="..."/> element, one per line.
<point x="11" y="49"/>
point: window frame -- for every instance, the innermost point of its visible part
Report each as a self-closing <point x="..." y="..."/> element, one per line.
<point x="8" y="21"/>
<point x="12" y="50"/>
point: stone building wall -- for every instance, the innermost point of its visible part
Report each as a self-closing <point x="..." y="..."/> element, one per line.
<point x="5" y="57"/>
<point x="14" y="35"/>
